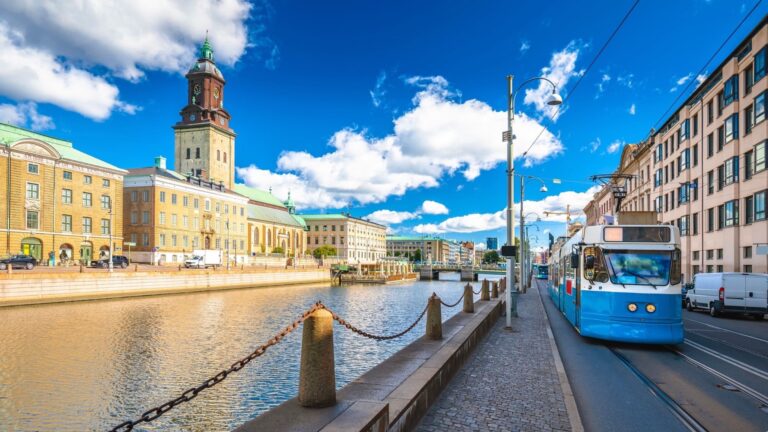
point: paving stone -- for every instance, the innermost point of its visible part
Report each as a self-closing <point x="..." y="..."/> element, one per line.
<point x="508" y="384"/>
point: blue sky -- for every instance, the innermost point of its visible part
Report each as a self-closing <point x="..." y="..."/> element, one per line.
<point x="370" y="107"/>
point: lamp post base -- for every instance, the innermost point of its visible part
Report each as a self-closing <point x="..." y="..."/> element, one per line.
<point x="513" y="303"/>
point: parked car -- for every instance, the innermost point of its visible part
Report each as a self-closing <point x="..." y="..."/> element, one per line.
<point x="745" y="293"/>
<point x="117" y="261"/>
<point x="684" y="290"/>
<point x="18" y="262"/>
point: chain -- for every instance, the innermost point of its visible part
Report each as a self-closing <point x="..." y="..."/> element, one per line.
<point x="477" y="292"/>
<point x="343" y="322"/>
<point x="452" y="305"/>
<point x="190" y="394"/>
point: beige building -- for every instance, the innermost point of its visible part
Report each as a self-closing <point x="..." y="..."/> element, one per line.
<point x="56" y="200"/>
<point x="168" y="215"/>
<point x="705" y="169"/>
<point x="273" y="226"/>
<point x="358" y="241"/>
<point x="431" y="249"/>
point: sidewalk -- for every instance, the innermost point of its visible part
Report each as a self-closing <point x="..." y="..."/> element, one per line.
<point x="509" y="384"/>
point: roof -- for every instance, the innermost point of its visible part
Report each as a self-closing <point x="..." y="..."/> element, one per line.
<point x="413" y="238"/>
<point x="258" y="195"/>
<point x="10" y="134"/>
<point x="299" y="220"/>
<point x="329" y="216"/>
<point x="270" y="214"/>
<point x="162" y="172"/>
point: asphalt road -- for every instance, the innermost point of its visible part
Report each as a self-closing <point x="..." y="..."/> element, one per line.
<point x="717" y="380"/>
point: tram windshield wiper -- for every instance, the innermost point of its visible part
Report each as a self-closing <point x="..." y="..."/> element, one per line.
<point x="631" y="273"/>
<point x="610" y="264"/>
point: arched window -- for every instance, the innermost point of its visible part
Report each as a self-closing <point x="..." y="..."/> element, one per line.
<point x="197" y="153"/>
<point x="218" y="155"/>
<point x="255" y="236"/>
<point x="269" y="237"/>
<point x="225" y="157"/>
<point x="189" y="153"/>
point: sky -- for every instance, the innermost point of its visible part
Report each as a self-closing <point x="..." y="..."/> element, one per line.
<point x="391" y="111"/>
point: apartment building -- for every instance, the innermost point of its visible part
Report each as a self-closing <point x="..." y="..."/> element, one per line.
<point x="705" y="169"/>
<point x="59" y="204"/>
<point x="430" y="248"/>
<point x="358" y="241"/>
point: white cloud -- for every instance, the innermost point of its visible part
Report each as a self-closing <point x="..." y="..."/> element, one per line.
<point x="680" y="81"/>
<point x="593" y="146"/>
<point x="378" y="92"/>
<point x="389" y="217"/>
<point x="615" y="146"/>
<point x="562" y="67"/>
<point x="25" y="115"/>
<point x="477" y="222"/>
<point x="438" y="137"/>
<point x="433" y="207"/>
<point x="524" y="46"/>
<point x="632" y="109"/>
<point x="52" y="49"/>
<point x="700" y="78"/>
<point x="604" y="80"/>
<point x="627" y="81"/>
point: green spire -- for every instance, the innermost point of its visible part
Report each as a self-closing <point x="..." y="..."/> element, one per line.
<point x="206" y="51"/>
<point x="289" y="204"/>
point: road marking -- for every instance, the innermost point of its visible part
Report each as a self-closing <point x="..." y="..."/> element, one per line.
<point x="739" y="364"/>
<point x="729" y="331"/>
<point x="743" y="387"/>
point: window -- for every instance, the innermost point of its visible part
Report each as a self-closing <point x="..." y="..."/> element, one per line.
<point x="759" y="111"/>
<point x="658" y="154"/>
<point x="162" y="196"/>
<point x="695" y="124"/>
<point x="658" y="204"/>
<point x="145" y="217"/>
<point x="682" y="224"/>
<point x="666" y="174"/>
<point x="87" y="199"/>
<point x="731" y="127"/>
<point x="730" y="91"/>
<point x="33" y="191"/>
<point x="694" y="185"/>
<point x="759" y="164"/>
<point x="134" y="196"/>
<point x="720" y="268"/>
<point x="684" y="161"/>
<point x="695" y="226"/>
<point x="730" y="172"/>
<point x="145" y="239"/>
<point x="105" y="183"/>
<point x="67" y="175"/>
<point x="225" y="157"/>
<point x="196" y="203"/>
<point x="710" y="113"/>
<point x="105" y="227"/>
<point x="710" y="220"/>
<point x="719" y="254"/>
<point x="695" y="154"/>
<point x="173" y="199"/>
<point x="189" y="153"/>
<point x="66" y="223"/>
<point x="218" y="207"/>
<point x="218" y="155"/>
<point x="684" y="132"/>
<point x="173" y="240"/>
<point x="657" y="178"/>
<point x="710" y="254"/>
<point x="87" y="179"/>
<point x="66" y="196"/>
<point x="720" y="138"/>
<point x="710" y="268"/>
<point x="748" y="252"/>
<point x="760" y="205"/>
<point x="759" y="65"/>
<point x="162" y="218"/>
<point x="710" y="182"/>
<point x="185" y="221"/>
<point x="197" y="153"/>
<point x="696" y="269"/>
<point x="162" y="240"/>
<point x="33" y="220"/>
<point x="682" y="194"/>
<point x="748" y="116"/>
<point x="696" y="255"/>
<point x="729" y="214"/>
<point x="747" y="268"/>
<point x="710" y="145"/>
<point x="145" y="196"/>
<point x="185" y="201"/>
<point x="174" y="219"/>
<point x="106" y="203"/>
<point x="134" y="218"/>
<point x="87" y="225"/>
<point x="207" y="205"/>
<point x="33" y="168"/>
<point x="749" y="80"/>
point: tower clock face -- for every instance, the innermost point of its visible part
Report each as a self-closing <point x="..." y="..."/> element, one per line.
<point x="216" y="92"/>
<point x="196" y="89"/>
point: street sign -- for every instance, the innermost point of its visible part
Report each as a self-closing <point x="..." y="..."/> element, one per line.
<point x="509" y="251"/>
<point x="129" y="243"/>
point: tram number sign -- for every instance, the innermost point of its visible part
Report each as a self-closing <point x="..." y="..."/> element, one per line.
<point x="509" y="251"/>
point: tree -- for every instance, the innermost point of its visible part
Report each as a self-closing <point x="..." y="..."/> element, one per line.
<point x="324" y="251"/>
<point x="398" y="253"/>
<point x="278" y="250"/>
<point x="416" y="255"/>
<point x="490" y="257"/>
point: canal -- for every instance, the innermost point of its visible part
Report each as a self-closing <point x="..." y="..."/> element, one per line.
<point x="91" y="365"/>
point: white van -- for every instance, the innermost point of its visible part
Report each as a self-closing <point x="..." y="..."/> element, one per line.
<point x="745" y="293"/>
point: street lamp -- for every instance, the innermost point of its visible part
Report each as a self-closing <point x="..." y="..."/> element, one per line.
<point x="554" y="99"/>
<point x="111" y="264"/>
<point x="523" y="270"/>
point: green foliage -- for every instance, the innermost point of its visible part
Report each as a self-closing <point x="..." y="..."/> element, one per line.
<point x="491" y="257"/>
<point x="416" y="255"/>
<point x="324" y="251"/>
<point x="278" y="250"/>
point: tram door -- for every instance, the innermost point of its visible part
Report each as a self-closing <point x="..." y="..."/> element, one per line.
<point x="577" y="314"/>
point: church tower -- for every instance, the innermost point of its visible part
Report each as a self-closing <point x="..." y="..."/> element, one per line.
<point x="205" y="144"/>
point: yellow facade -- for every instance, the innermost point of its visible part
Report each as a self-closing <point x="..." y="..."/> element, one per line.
<point x="264" y="237"/>
<point x="56" y="207"/>
<point x="206" y="151"/>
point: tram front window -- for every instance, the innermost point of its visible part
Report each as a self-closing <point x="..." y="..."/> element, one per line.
<point x="638" y="267"/>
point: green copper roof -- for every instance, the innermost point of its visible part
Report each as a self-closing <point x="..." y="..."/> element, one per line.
<point x="257" y="195"/>
<point x="323" y="216"/>
<point x="206" y="51"/>
<point x="413" y="238"/>
<point x="9" y="134"/>
<point x="300" y="220"/>
<point x="271" y="215"/>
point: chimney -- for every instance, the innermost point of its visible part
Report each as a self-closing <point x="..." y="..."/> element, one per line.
<point x="160" y="162"/>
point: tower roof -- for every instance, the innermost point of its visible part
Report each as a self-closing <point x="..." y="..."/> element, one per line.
<point x="206" y="50"/>
<point x="205" y="62"/>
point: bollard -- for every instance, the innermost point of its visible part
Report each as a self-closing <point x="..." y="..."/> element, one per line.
<point x="469" y="300"/>
<point x="81" y="267"/>
<point x="179" y="267"/>
<point x="9" y="268"/>
<point x="317" y="377"/>
<point x="135" y="268"/>
<point x="484" y="294"/>
<point x="434" y="318"/>
<point x="495" y="290"/>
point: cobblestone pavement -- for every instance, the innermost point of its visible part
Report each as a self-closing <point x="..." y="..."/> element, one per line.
<point x="508" y="384"/>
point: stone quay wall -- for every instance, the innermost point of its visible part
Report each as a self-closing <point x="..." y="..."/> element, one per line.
<point x="21" y="289"/>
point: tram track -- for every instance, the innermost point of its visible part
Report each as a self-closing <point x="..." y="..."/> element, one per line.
<point x="678" y="411"/>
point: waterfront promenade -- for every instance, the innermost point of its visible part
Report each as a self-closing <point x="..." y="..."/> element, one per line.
<point x="513" y="382"/>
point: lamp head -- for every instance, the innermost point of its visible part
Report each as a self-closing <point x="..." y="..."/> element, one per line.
<point x="554" y="99"/>
<point x="543" y="189"/>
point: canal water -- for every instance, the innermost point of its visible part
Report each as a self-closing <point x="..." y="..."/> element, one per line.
<point x="91" y="365"/>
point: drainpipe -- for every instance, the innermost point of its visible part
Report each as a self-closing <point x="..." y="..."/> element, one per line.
<point x="700" y="190"/>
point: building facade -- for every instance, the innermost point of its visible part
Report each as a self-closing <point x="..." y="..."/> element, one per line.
<point x="492" y="243"/>
<point x="431" y="249"/>
<point x="60" y="205"/>
<point x="168" y="215"/>
<point x="705" y="169"/>
<point x="273" y="226"/>
<point x="358" y="241"/>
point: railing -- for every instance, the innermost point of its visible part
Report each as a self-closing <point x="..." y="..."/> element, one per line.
<point x="317" y="379"/>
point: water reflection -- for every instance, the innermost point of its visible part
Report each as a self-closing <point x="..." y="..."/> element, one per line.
<point x="91" y="365"/>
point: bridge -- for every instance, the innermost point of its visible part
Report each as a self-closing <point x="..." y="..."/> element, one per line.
<point x="431" y="271"/>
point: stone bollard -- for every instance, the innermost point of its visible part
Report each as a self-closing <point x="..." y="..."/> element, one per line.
<point x="81" y="267"/>
<point x="135" y="268"/>
<point x="179" y="267"/>
<point x="434" y="318"/>
<point x="495" y="290"/>
<point x="485" y="295"/>
<point x="469" y="299"/>
<point x="317" y="376"/>
<point x="9" y="268"/>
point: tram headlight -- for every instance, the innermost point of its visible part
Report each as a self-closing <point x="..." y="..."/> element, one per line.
<point x="650" y="308"/>
<point x="632" y="307"/>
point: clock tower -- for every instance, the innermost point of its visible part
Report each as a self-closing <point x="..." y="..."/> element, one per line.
<point x="205" y="144"/>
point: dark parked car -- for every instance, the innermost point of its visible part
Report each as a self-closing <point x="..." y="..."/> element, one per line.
<point x="686" y="287"/>
<point x="117" y="261"/>
<point x="18" y="262"/>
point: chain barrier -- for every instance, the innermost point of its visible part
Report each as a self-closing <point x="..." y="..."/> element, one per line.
<point x="190" y="394"/>
<point x="477" y="292"/>
<point x="364" y="333"/>
<point x="452" y="305"/>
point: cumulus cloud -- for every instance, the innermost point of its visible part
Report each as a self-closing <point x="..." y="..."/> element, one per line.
<point x="524" y="46"/>
<point x="680" y="81"/>
<point x="52" y="48"/>
<point x="25" y="115"/>
<point x="438" y="137"/>
<point x="562" y="67"/>
<point x="389" y="217"/>
<point x="433" y="207"/>
<point x="615" y="146"/>
<point x="477" y="222"/>
<point x="632" y="109"/>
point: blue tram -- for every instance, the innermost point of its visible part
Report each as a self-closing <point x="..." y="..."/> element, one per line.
<point x="541" y="271"/>
<point x="620" y="283"/>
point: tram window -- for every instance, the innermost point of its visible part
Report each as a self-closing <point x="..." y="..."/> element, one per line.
<point x="598" y="272"/>
<point x="675" y="273"/>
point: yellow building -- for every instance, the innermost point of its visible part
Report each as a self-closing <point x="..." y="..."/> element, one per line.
<point x="357" y="241"/>
<point x="59" y="204"/>
<point x="273" y="226"/>
<point x="168" y="215"/>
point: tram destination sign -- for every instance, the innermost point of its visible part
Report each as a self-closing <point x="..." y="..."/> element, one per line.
<point x="637" y="234"/>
